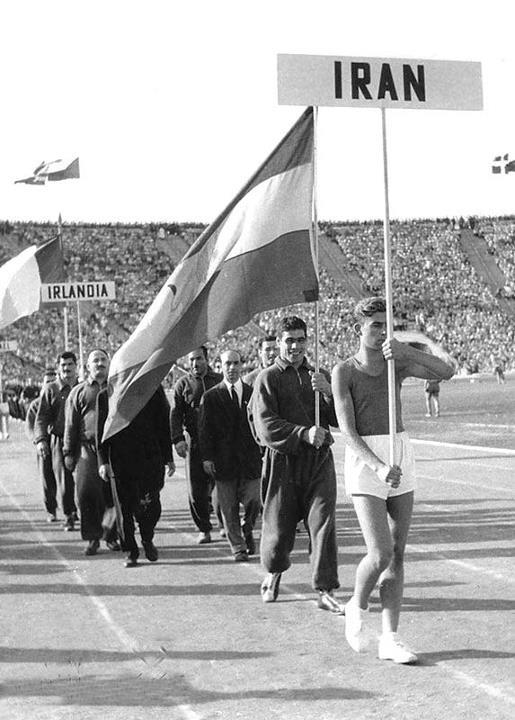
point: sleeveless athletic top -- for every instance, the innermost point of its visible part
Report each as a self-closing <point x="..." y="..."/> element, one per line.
<point x="370" y="397"/>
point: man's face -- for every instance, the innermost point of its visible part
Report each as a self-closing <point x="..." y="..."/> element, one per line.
<point x="373" y="331"/>
<point x="292" y="346"/>
<point x="97" y="366"/>
<point x="67" y="370"/>
<point x="231" y="366"/>
<point x="198" y="363"/>
<point x="267" y="353"/>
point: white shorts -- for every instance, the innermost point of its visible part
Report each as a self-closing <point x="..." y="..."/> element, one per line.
<point x="360" y="479"/>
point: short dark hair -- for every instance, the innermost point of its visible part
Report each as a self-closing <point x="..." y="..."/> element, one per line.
<point x="266" y="338"/>
<point x="200" y="347"/>
<point x="293" y="322"/>
<point x="99" y="349"/>
<point x="67" y="355"/>
<point x="369" y="306"/>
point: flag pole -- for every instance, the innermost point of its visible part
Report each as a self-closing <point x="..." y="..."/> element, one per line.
<point x="315" y="248"/>
<point x="81" y="355"/>
<point x="65" y="311"/>
<point x="392" y="413"/>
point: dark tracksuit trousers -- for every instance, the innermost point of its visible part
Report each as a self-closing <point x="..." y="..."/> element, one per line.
<point x="64" y="478"/>
<point x="93" y="497"/>
<point x="145" y="509"/>
<point x="48" y="482"/>
<point x="202" y="495"/>
<point x="300" y="487"/>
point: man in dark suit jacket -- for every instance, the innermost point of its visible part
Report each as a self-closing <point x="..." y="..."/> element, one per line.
<point x="231" y="455"/>
<point x="137" y="456"/>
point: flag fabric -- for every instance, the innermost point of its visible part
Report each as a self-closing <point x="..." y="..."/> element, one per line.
<point x="257" y="255"/>
<point x="502" y="162"/>
<point x="53" y="171"/>
<point x="32" y="180"/>
<point x="22" y="276"/>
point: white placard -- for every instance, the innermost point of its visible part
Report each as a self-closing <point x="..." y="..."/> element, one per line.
<point x="70" y="292"/>
<point x="8" y="345"/>
<point x="379" y="82"/>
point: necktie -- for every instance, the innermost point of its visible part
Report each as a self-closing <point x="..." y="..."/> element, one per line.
<point x="234" y="396"/>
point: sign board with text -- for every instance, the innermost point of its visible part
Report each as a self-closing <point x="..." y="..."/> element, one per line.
<point x="88" y="290"/>
<point x="8" y="346"/>
<point x="325" y="80"/>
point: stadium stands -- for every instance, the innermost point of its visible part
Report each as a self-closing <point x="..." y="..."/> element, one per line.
<point x="436" y="289"/>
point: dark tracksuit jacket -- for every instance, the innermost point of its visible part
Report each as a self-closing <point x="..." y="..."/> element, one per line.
<point x="138" y="455"/>
<point x="298" y="481"/>
<point x="187" y="394"/>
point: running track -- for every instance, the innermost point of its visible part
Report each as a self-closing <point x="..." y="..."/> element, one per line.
<point x="189" y="638"/>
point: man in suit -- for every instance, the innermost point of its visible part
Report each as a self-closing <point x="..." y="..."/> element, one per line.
<point x="136" y="457"/>
<point x="231" y="456"/>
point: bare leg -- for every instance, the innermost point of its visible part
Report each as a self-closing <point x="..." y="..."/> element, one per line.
<point x="437" y="405"/>
<point x="391" y="582"/>
<point x="428" y="404"/>
<point x="373" y="520"/>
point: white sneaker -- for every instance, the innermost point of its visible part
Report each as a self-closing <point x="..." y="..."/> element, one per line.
<point x="391" y="647"/>
<point x="327" y="601"/>
<point x="355" y="630"/>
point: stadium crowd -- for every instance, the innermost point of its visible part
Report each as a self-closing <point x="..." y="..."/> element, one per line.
<point x="436" y="290"/>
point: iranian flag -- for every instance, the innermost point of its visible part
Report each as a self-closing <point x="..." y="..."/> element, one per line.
<point x="257" y="255"/>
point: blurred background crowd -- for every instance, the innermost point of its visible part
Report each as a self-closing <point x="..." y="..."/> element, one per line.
<point x="437" y="289"/>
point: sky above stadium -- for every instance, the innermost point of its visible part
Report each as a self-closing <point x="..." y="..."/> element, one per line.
<point x="171" y="106"/>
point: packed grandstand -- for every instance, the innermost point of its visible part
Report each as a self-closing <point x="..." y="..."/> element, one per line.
<point x="436" y="288"/>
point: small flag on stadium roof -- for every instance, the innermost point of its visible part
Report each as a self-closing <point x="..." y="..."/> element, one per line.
<point x="22" y="276"/>
<point x="257" y="255"/>
<point x="53" y="171"/>
<point x="503" y="163"/>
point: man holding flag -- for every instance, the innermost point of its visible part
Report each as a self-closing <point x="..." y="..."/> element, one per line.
<point x="299" y="477"/>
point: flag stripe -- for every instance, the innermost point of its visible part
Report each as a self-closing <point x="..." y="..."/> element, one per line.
<point x="68" y="173"/>
<point x="50" y="261"/>
<point x="19" y="287"/>
<point x="296" y="148"/>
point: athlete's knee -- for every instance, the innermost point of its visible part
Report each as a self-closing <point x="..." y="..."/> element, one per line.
<point x="380" y="557"/>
